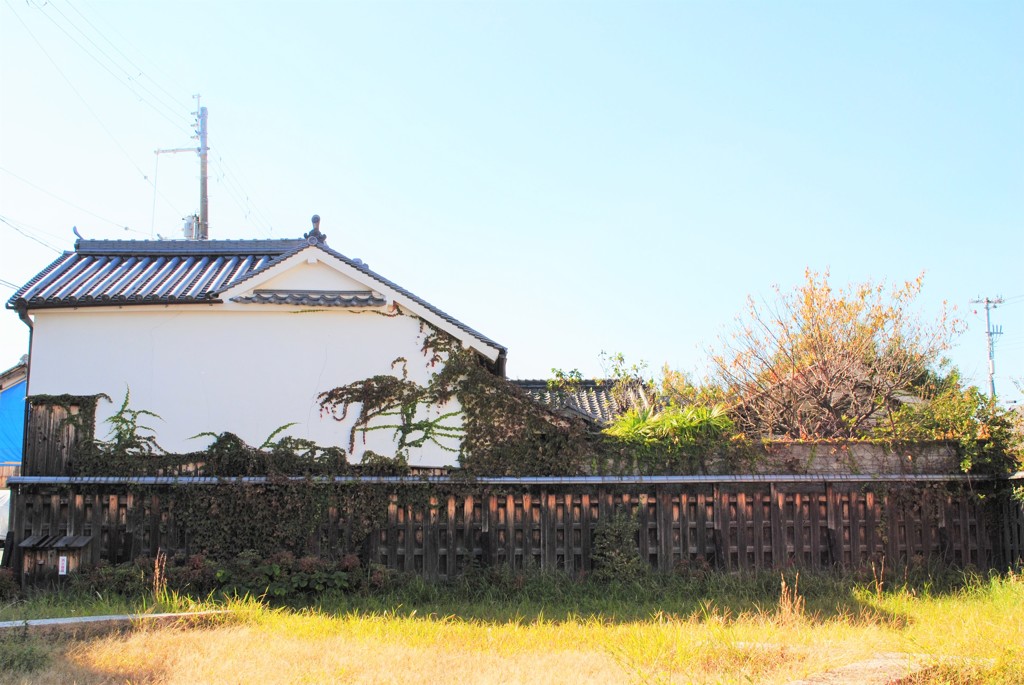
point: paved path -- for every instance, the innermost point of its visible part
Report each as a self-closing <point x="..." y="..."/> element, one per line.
<point x="81" y="625"/>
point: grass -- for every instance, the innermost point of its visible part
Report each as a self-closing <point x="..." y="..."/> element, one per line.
<point x="720" y="629"/>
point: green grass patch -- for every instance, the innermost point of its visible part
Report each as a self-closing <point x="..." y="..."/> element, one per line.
<point x="765" y="628"/>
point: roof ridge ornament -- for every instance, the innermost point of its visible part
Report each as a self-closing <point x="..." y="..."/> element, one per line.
<point x="315" y="237"/>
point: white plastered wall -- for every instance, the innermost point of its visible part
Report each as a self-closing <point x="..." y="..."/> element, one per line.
<point x="312" y="274"/>
<point x="243" y="368"/>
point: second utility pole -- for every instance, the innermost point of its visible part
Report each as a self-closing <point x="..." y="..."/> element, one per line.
<point x="990" y="333"/>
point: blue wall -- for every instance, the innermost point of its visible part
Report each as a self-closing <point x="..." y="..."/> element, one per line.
<point x="12" y="422"/>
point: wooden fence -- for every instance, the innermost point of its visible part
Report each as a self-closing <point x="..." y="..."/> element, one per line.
<point x="729" y="526"/>
<point x="1012" y="525"/>
<point x="50" y="437"/>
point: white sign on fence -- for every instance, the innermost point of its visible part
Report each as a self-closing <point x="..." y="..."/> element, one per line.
<point x="62" y="565"/>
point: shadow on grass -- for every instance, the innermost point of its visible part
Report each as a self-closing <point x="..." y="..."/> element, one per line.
<point x="499" y="596"/>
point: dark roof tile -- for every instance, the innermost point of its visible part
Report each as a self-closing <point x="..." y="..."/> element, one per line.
<point x="314" y="298"/>
<point x="135" y="272"/>
<point x="594" y="400"/>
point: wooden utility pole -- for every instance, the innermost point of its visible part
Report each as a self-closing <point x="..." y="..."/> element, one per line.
<point x="196" y="227"/>
<point x="204" y="198"/>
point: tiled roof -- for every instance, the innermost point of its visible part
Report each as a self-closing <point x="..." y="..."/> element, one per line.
<point x="122" y="272"/>
<point x="139" y="272"/>
<point x="314" y="298"/>
<point x="591" y="399"/>
<point x="15" y="374"/>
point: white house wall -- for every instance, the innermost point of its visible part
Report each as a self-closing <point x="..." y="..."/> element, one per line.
<point x="247" y="369"/>
<point x="315" y="276"/>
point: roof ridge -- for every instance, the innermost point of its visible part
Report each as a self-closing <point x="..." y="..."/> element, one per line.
<point x="187" y="247"/>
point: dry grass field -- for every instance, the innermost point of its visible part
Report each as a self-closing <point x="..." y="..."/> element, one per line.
<point x="973" y="634"/>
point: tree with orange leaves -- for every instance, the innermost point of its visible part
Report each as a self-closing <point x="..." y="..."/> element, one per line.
<point x="825" y="363"/>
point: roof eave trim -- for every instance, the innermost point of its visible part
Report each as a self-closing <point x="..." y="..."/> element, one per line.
<point x="82" y="304"/>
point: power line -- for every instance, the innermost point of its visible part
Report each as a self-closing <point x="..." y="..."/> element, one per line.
<point x="106" y="68"/>
<point x="172" y="107"/>
<point x="67" y="202"/>
<point x="255" y="207"/>
<point x="9" y="284"/>
<point x="233" y="186"/>
<point x="71" y="85"/>
<point x="28" y="235"/>
<point x="35" y="230"/>
<point x="140" y="53"/>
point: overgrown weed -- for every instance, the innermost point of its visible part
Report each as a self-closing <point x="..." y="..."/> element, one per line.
<point x="21" y="653"/>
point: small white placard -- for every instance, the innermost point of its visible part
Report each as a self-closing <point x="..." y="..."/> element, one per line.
<point x="62" y="565"/>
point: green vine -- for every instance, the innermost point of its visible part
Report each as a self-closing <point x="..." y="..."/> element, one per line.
<point x="503" y="431"/>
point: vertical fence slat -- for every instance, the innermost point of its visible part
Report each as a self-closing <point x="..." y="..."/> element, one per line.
<point x="451" y="553"/>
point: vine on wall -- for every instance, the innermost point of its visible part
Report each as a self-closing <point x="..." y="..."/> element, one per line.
<point x="503" y="431"/>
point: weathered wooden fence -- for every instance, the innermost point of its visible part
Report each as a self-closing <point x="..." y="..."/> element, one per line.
<point x="738" y="524"/>
<point x="1011" y="517"/>
<point x="729" y="523"/>
<point x="50" y="437"/>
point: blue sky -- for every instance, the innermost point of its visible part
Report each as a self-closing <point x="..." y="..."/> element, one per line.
<point x="565" y="177"/>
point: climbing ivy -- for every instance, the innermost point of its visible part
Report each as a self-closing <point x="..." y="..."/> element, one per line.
<point x="503" y="431"/>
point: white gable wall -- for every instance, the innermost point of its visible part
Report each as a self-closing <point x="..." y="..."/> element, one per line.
<point x="243" y="368"/>
<point x="315" y="276"/>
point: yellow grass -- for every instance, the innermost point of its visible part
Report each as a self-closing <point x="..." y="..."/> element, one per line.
<point x="982" y="629"/>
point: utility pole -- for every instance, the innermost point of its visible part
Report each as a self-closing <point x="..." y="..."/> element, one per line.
<point x="196" y="227"/>
<point x="204" y="149"/>
<point x="990" y="333"/>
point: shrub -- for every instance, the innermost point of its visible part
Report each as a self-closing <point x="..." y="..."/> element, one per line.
<point x="616" y="554"/>
<point x="21" y="654"/>
<point x="127" y="580"/>
<point x="281" y="576"/>
<point x="9" y="588"/>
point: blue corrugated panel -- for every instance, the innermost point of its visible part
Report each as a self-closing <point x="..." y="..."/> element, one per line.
<point x="12" y="422"/>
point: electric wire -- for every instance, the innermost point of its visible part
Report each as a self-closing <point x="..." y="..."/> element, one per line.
<point x="88" y="107"/>
<point x="8" y="284"/>
<point x="106" y="68"/>
<point x="140" y="53"/>
<point x="255" y="207"/>
<point x="232" y="183"/>
<point x="171" y="103"/>
<point x="229" y="180"/>
<point x="49" y="238"/>
<point x="28" y="235"/>
<point x="233" y="194"/>
<point x="68" y="202"/>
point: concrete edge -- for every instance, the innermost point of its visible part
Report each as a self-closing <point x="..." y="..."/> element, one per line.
<point x="76" y="626"/>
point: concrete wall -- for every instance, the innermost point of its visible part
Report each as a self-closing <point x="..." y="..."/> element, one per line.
<point x="859" y="458"/>
<point x="244" y="368"/>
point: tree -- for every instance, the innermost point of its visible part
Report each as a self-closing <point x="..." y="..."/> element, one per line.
<point x="820" y="363"/>
<point x="990" y="436"/>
